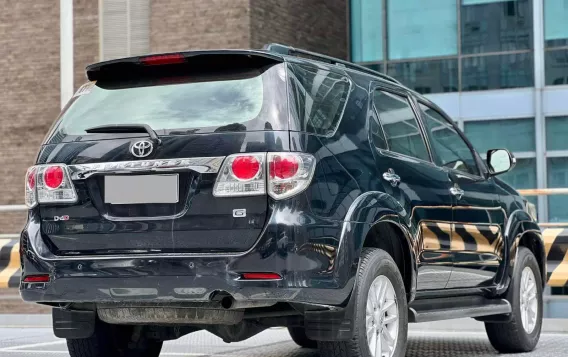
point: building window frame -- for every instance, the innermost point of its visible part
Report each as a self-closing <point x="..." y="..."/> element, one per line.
<point x="460" y="56"/>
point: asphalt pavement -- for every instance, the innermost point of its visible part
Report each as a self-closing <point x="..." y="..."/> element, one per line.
<point x="31" y="335"/>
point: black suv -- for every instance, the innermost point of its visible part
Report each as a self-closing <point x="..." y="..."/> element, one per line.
<point x="237" y="190"/>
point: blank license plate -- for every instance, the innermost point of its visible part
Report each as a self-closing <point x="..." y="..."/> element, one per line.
<point x="124" y="190"/>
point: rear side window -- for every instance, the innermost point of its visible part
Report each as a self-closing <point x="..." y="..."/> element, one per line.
<point x="318" y="98"/>
<point x="240" y="100"/>
<point x="401" y="129"/>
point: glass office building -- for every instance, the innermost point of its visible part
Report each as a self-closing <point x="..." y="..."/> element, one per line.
<point x="498" y="67"/>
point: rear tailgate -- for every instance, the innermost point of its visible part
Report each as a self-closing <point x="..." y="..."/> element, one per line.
<point x="162" y="201"/>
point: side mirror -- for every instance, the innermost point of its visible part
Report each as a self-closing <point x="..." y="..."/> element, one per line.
<point x="500" y="161"/>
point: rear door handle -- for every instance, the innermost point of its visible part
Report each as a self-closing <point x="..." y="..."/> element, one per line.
<point x="391" y="177"/>
<point x="457" y="191"/>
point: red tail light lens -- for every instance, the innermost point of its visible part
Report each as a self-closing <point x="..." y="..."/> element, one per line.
<point x="157" y="60"/>
<point x="31" y="179"/>
<point x="53" y="177"/>
<point x="283" y="167"/>
<point x="245" y="167"/>
<point x="260" y="276"/>
<point x="44" y="278"/>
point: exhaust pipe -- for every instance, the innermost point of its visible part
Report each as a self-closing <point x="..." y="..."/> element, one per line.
<point x="228" y="302"/>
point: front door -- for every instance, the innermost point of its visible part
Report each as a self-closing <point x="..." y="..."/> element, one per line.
<point x="476" y="239"/>
<point x="421" y="188"/>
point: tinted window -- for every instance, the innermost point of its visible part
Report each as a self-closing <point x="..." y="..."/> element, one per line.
<point x="556" y="67"/>
<point x="556" y="133"/>
<point x="496" y="25"/>
<point x="432" y="76"/>
<point x="488" y="134"/>
<point x="419" y="28"/>
<point x="400" y="126"/>
<point x="449" y="148"/>
<point x="234" y="101"/>
<point x="555" y="29"/>
<point x="366" y="30"/>
<point x="511" y="70"/>
<point x="318" y="96"/>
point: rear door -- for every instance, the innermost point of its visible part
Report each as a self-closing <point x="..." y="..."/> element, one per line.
<point x="136" y="194"/>
<point x="420" y="187"/>
<point x="477" y="242"/>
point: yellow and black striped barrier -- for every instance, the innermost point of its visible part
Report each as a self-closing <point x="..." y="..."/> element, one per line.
<point x="556" y="246"/>
<point x="9" y="263"/>
<point x="555" y="240"/>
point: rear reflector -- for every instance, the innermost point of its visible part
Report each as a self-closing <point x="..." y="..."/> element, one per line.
<point x="44" y="278"/>
<point x="158" y="60"/>
<point x="260" y="276"/>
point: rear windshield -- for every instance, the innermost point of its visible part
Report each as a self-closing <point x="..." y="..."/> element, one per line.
<point x="248" y="100"/>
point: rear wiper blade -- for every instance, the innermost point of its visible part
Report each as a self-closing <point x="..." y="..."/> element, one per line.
<point x="126" y="128"/>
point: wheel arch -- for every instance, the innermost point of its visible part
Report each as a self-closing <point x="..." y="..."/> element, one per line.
<point x="532" y="240"/>
<point x="522" y="230"/>
<point x="367" y="217"/>
<point x="393" y="238"/>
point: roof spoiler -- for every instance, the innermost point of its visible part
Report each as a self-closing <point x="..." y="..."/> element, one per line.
<point x="169" y="62"/>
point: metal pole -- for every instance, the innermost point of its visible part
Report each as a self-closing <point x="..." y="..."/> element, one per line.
<point x="66" y="50"/>
<point x="540" y="128"/>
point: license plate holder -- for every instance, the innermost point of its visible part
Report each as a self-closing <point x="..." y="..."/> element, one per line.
<point x="141" y="189"/>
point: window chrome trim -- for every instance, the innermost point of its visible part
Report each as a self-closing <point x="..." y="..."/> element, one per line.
<point x="203" y="165"/>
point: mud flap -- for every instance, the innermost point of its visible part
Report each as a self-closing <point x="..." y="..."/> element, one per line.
<point x="73" y="324"/>
<point x="335" y="324"/>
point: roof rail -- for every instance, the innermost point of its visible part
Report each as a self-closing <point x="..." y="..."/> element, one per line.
<point x="289" y="50"/>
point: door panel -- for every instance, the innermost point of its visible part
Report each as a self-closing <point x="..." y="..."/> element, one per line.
<point x="421" y="188"/>
<point x="477" y="241"/>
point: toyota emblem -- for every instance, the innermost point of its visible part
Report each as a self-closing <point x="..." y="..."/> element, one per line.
<point x="142" y="148"/>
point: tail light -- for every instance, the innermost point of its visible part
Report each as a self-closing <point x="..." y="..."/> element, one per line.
<point x="30" y="188"/>
<point x="289" y="173"/>
<point x="241" y="175"/>
<point x="281" y="175"/>
<point x="49" y="184"/>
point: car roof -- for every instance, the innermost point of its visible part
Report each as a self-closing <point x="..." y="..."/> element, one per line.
<point x="270" y="52"/>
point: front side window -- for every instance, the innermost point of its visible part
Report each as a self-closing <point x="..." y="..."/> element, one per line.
<point x="450" y="150"/>
<point x="401" y="129"/>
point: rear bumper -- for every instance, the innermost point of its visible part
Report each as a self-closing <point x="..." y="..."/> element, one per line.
<point x="176" y="288"/>
<point x="311" y="267"/>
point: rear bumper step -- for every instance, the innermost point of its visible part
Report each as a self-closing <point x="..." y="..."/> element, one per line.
<point x="425" y="310"/>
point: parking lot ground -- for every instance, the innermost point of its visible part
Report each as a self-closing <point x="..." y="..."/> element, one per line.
<point x="31" y="335"/>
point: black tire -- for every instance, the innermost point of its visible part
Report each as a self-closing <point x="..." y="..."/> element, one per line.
<point x="298" y="335"/>
<point x="511" y="337"/>
<point x="113" y="341"/>
<point x="374" y="262"/>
